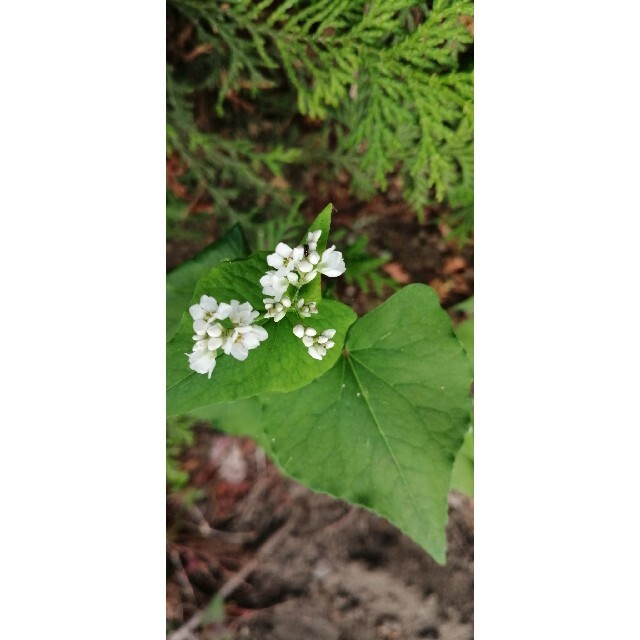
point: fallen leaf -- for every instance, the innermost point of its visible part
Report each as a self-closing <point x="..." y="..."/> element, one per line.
<point x="442" y="288"/>
<point x="396" y="271"/>
<point x="454" y="264"/>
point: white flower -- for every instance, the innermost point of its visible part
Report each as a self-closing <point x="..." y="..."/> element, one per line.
<point x="236" y="340"/>
<point x="242" y="314"/>
<point x="299" y="266"/>
<point x="242" y="339"/>
<point x="285" y="257"/>
<point x="203" y="314"/>
<point x="317" y="345"/>
<point x="275" y="284"/>
<point x="305" y="310"/>
<point x="332" y="263"/>
<point x="205" y="309"/>
<point x="202" y="361"/>
<point x="277" y="310"/>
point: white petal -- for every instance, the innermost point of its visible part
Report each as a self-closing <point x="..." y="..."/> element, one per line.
<point x="308" y="277"/>
<point x="229" y="342"/>
<point x="267" y="279"/>
<point x="284" y="250"/>
<point x="208" y="303"/>
<point x="214" y="343"/>
<point x="200" y="327"/>
<point x="332" y="263"/>
<point x="223" y="311"/>
<point x="293" y="277"/>
<point x="307" y="341"/>
<point x="300" y="303"/>
<point x="214" y="330"/>
<point x="321" y="350"/>
<point x="314" y="257"/>
<point x="298" y="331"/>
<point x="322" y="339"/>
<point x="242" y="329"/>
<point x="202" y="361"/>
<point x="239" y="351"/>
<point x="314" y="353"/>
<point x="304" y="266"/>
<point x="276" y="261"/>
<point x="286" y="302"/>
<point x="310" y="331"/>
<point x="329" y="333"/>
<point x="329" y="344"/>
<point x="314" y="236"/>
<point x="250" y="340"/>
<point x="260" y="332"/>
<point x="279" y="316"/>
<point x="196" y="311"/>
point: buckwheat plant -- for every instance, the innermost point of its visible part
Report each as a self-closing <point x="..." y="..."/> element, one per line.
<point x="372" y="409"/>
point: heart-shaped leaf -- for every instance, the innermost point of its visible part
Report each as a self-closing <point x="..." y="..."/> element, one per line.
<point x="383" y="426"/>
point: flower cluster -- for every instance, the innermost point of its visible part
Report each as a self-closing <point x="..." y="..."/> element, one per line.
<point x="222" y="326"/>
<point x="298" y="266"/>
<point x="316" y="344"/>
<point x="230" y="328"/>
<point x="277" y="310"/>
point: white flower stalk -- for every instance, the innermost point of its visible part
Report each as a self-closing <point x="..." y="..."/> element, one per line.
<point x="317" y="345"/>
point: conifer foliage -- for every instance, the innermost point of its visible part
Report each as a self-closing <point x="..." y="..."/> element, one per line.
<point x="388" y="78"/>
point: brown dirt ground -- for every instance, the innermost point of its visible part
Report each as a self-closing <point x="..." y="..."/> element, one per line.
<point x="311" y="567"/>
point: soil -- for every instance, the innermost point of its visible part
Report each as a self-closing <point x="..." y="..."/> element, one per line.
<point x="298" y="565"/>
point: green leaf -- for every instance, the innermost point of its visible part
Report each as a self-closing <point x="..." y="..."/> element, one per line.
<point x="313" y="291"/>
<point x="382" y="427"/>
<point x="182" y="280"/>
<point x="464" y="331"/>
<point x="280" y="363"/>
<point x="462" y="477"/>
<point x="240" y="418"/>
